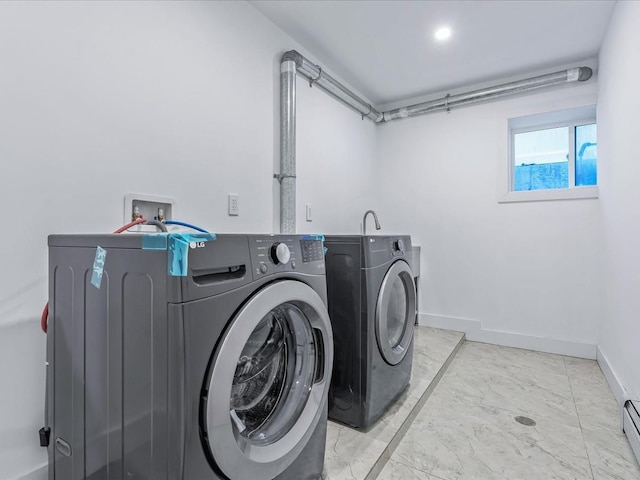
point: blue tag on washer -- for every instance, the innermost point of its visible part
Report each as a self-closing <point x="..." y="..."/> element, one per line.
<point x="98" y="267"/>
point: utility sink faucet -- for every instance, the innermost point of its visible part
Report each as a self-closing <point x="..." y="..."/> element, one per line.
<point x="364" y="221"/>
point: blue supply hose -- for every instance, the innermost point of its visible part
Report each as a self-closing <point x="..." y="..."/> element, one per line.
<point x="183" y="224"/>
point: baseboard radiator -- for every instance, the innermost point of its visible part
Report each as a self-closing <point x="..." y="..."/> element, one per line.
<point x="631" y="425"/>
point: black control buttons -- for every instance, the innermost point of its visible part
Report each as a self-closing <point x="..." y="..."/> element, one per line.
<point x="312" y="250"/>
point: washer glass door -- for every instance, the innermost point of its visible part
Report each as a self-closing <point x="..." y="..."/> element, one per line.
<point x="269" y="380"/>
<point x="396" y="312"/>
<point x="274" y="376"/>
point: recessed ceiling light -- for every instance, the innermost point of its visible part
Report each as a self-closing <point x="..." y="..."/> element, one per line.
<point x="442" y="34"/>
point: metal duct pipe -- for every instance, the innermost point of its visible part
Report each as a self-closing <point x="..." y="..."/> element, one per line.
<point x="322" y="79"/>
<point x="292" y="62"/>
<point x="287" y="176"/>
<point x="450" y="101"/>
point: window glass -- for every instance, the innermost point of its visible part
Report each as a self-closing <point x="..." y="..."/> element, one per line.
<point x="586" y="155"/>
<point x="541" y="159"/>
<point x="552" y="156"/>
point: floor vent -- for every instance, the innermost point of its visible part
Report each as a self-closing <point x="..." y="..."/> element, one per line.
<point x="631" y="425"/>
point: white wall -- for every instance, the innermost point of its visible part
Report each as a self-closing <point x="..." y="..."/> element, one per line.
<point x="336" y="174"/>
<point x="528" y="269"/>
<point x="618" y="150"/>
<point x="101" y="99"/>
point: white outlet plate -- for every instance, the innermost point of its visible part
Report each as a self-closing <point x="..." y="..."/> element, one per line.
<point x="234" y="205"/>
<point x="308" y="212"/>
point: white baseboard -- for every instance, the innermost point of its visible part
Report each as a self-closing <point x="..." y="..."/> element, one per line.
<point x="448" y="323"/>
<point x="618" y="390"/>
<point x="531" y="342"/>
<point x="39" y="473"/>
<point x="475" y="333"/>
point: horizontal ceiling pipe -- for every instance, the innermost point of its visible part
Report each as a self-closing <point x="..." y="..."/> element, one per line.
<point x="317" y="76"/>
<point x="486" y="94"/>
<point x="293" y="63"/>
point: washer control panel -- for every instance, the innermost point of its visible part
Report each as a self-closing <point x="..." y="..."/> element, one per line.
<point x="312" y="250"/>
<point x="282" y="253"/>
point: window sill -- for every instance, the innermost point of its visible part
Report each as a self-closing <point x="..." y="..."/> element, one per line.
<point x="551" y="194"/>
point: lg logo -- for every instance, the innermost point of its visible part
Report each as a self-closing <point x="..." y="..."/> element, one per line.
<point x="196" y="244"/>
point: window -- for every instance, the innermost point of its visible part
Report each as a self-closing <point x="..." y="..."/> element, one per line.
<point x="553" y="156"/>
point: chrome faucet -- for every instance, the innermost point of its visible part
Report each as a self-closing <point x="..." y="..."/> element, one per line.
<point x="364" y="221"/>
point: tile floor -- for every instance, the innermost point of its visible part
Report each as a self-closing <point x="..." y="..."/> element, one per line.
<point x="466" y="429"/>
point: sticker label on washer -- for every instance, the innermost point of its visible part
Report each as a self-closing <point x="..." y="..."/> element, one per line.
<point x="98" y="267"/>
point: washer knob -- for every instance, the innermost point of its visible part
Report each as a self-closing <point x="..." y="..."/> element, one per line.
<point x="280" y="253"/>
<point x="398" y="246"/>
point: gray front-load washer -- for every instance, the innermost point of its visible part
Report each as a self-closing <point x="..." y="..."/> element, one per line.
<point x="372" y="305"/>
<point x="187" y="357"/>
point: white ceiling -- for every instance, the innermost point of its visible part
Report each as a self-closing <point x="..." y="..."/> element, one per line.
<point x="385" y="49"/>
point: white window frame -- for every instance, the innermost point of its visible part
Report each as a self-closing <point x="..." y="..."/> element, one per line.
<point x="569" y="118"/>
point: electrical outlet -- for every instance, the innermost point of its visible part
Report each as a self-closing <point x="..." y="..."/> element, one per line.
<point x="234" y="205"/>
<point x="308" y="210"/>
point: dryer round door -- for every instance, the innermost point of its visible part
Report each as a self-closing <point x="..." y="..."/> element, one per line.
<point x="269" y="381"/>
<point x="396" y="312"/>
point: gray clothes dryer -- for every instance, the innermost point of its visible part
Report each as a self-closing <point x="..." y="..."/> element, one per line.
<point x="372" y="305"/>
<point x="184" y="357"/>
